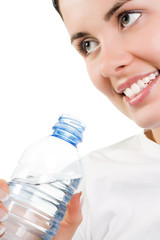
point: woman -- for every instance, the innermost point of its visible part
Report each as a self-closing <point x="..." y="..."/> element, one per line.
<point x="119" y="41"/>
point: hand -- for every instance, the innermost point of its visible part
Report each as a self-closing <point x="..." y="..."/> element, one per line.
<point x="72" y="219"/>
<point x="4" y="194"/>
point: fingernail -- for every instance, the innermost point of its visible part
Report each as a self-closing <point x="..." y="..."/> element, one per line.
<point x="3" y="195"/>
<point x="2" y="230"/>
<point x="3" y="215"/>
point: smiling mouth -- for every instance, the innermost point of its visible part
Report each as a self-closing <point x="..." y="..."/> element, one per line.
<point x="140" y="85"/>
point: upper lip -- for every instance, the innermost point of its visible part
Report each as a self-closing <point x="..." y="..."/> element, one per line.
<point x="128" y="83"/>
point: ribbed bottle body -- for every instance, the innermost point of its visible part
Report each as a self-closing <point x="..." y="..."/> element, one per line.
<point x="43" y="182"/>
<point x="35" y="211"/>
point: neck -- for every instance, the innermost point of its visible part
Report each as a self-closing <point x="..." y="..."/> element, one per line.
<point x="154" y="135"/>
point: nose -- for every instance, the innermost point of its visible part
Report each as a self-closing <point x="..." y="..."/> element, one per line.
<point x="115" y="59"/>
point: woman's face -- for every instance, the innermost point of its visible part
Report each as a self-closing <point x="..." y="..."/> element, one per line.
<point x="120" y="43"/>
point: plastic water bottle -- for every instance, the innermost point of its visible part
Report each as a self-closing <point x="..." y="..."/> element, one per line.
<point x="43" y="182"/>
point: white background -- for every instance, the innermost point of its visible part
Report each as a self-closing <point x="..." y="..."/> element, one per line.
<point x="42" y="77"/>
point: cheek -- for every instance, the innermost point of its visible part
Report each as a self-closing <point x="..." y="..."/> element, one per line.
<point x="101" y="83"/>
<point x="104" y="85"/>
<point x="152" y="47"/>
<point x="155" y="50"/>
<point x="147" y="50"/>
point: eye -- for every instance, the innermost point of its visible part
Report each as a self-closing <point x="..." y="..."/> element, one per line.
<point x="87" y="46"/>
<point x="126" y="19"/>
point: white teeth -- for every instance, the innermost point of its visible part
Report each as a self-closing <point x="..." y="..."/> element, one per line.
<point x="156" y="73"/>
<point x="135" y="88"/>
<point x="152" y="76"/>
<point x="128" y="92"/>
<point x="141" y="84"/>
<point x="146" y="80"/>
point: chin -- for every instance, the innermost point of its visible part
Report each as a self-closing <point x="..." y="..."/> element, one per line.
<point x="147" y="115"/>
<point x="149" y="123"/>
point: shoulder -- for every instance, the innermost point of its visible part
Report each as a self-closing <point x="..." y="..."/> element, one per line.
<point x="114" y="151"/>
<point x="112" y="162"/>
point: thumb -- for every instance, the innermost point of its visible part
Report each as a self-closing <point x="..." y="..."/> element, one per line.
<point x="72" y="219"/>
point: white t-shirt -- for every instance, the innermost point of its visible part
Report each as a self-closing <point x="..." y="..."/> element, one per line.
<point x="122" y="192"/>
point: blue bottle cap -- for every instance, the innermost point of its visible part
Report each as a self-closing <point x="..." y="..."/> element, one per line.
<point x="69" y="129"/>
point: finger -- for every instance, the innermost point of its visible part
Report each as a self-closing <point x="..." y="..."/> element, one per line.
<point x="73" y="214"/>
<point x="72" y="219"/>
<point x="2" y="230"/>
<point x="4" y="190"/>
<point x="3" y="213"/>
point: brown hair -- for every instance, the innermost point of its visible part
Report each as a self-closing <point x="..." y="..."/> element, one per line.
<point x="56" y="5"/>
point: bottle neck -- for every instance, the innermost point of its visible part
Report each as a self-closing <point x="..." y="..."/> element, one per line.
<point x="69" y="129"/>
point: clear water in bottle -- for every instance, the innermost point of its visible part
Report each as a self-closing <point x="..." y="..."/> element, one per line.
<point x="39" y="194"/>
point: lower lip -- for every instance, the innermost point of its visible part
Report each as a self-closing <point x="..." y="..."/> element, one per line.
<point x="142" y="95"/>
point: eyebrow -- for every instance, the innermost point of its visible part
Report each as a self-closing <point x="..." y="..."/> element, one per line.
<point x="115" y="8"/>
<point x="118" y="4"/>
<point x="79" y="35"/>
